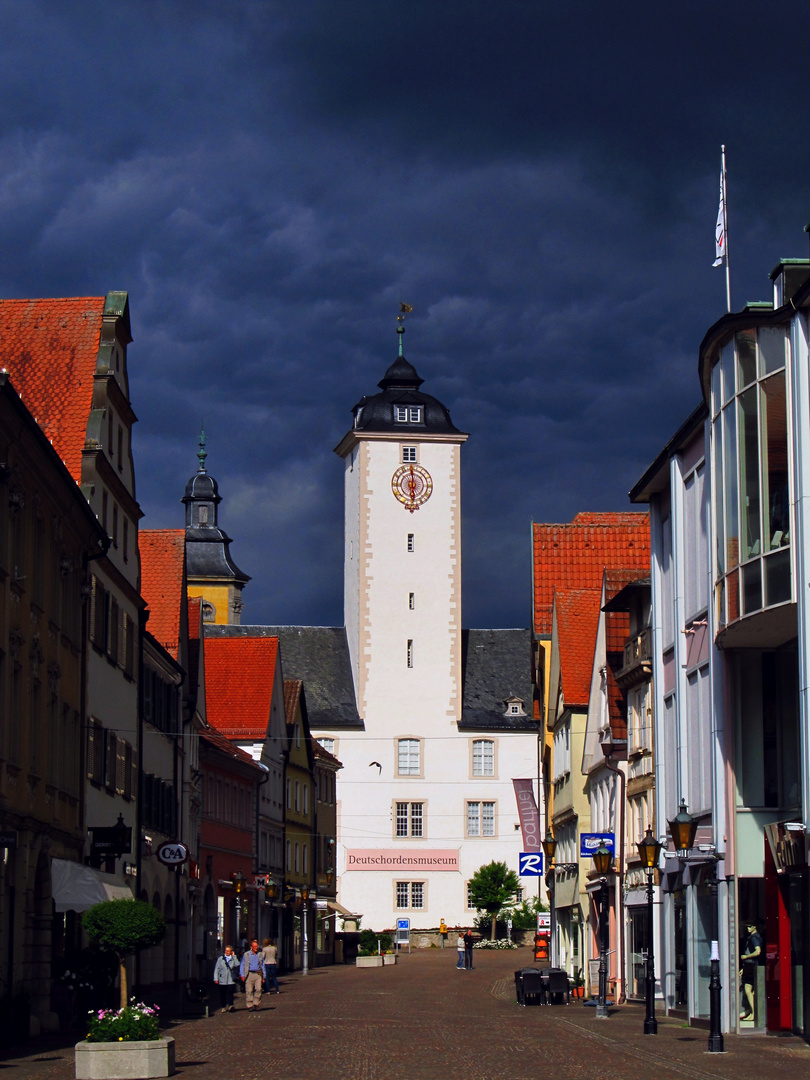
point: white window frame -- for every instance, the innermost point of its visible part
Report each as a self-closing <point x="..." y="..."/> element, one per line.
<point x="408" y="414"/>
<point x="411" y="747"/>
<point x="482" y="771"/>
<point x="409" y="455"/>
<point x="410" y="895"/>
<point x="411" y="817"/>
<point x="478" y="816"/>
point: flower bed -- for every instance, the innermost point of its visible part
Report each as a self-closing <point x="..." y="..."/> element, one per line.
<point x="135" y="1023"/>
<point x="500" y="944"/>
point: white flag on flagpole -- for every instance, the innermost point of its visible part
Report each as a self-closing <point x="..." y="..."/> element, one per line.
<point x="720" y="227"/>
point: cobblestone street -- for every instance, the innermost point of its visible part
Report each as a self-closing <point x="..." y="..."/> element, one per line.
<point x="423" y="1020"/>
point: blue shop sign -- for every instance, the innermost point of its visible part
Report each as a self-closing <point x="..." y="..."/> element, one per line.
<point x="589" y="842"/>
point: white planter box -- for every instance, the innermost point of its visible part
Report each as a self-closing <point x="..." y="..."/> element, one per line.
<point x="369" y="961"/>
<point x="389" y="958"/>
<point x="125" y="1060"/>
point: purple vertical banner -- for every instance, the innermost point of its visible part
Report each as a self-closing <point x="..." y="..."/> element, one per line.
<point x="529" y="815"/>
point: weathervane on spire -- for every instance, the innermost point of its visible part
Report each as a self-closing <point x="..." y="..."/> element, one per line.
<point x="404" y="309"/>
<point x="202" y="453"/>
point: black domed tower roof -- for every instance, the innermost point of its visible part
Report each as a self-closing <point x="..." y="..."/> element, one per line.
<point x="207" y="546"/>
<point x="402" y="406"/>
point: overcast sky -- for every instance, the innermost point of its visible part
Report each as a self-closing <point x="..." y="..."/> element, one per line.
<point x="267" y="180"/>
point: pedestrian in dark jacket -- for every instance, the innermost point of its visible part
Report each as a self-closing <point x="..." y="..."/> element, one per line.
<point x="468" y="947"/>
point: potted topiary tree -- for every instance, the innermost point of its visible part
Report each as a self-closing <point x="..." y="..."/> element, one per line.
<point x="124" y="1043"/>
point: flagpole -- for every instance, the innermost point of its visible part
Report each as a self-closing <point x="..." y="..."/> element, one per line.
<point x="725" y="226"/>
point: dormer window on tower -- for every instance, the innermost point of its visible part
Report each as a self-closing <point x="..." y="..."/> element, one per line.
<point x="408" y="414"/>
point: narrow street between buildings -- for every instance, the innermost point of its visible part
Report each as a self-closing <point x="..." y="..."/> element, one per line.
<point x="424" y="1020"/>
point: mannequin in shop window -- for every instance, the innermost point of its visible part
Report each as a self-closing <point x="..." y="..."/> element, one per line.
<point x="751" y="957"/>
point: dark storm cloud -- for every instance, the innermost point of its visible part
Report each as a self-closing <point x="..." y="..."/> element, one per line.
<point x="267" y="180"/>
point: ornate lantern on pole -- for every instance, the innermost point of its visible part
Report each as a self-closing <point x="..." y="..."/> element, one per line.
<point x="603" y="863"/>
<point x="683" y="829"/>
<point x="649" y="850"/>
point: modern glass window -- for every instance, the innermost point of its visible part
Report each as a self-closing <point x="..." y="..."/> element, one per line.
<point x="750" y="460"/>
<point x="480" y="819"/>
<point x="410" y="819"/>
<point x="483" y="757"/>
<point x="409" y="757"/>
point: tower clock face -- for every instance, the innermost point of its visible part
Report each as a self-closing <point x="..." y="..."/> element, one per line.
<point x="412" y="485"/>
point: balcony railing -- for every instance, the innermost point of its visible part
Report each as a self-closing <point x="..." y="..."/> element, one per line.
<point x="637" y="660"/>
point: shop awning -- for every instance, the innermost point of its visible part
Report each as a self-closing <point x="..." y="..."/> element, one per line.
<point x="77" y="888"/>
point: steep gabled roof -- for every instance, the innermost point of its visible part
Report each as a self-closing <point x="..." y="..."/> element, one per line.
<point x="230" y="749"/>
<point x="162" y="583"/>
<point x="50" y="347"/>
<point x="576" y="613"/>
<point x="574" y="556"/>
<point x="322" y="754"/>
<point x="239" y="678"/>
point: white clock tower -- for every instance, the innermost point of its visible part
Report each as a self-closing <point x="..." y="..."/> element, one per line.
<point x="399" y="834"/>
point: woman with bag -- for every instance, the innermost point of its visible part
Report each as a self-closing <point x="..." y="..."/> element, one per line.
<point x="225" y="974"/>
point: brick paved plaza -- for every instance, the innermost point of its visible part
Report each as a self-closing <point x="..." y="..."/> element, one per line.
<point x="423" y="1020"/>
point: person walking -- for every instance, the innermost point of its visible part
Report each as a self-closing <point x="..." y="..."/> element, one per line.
<point x="252" y="971"/>
<point x="225" y="973"/>
<point x="270" y="960"/>
<point x="468" y="947"/>
<point x="460" y="947"/>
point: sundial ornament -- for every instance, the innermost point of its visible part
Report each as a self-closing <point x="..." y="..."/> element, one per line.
<point x="412" y="485"/>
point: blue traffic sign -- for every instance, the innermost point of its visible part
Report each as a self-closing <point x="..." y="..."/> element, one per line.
<point x="530" y="864"/>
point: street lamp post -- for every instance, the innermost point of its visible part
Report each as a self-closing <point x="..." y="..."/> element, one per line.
<point x="549" y="848"/>
<point x="683" y="829"/>
<point x="305" y="960"/>
<point x="238" y="882"/>
<point x="602" y="861"/>
<point x="649" y="850"/>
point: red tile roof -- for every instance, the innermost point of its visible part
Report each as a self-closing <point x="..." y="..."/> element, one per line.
<point x="292" y="695"/>
<point x="577" y="619"/>
<point x="50" y="348"/>
<point x="162" y="554"/>
<point x="574" y="556"/>
<point x="239" y="677"/>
